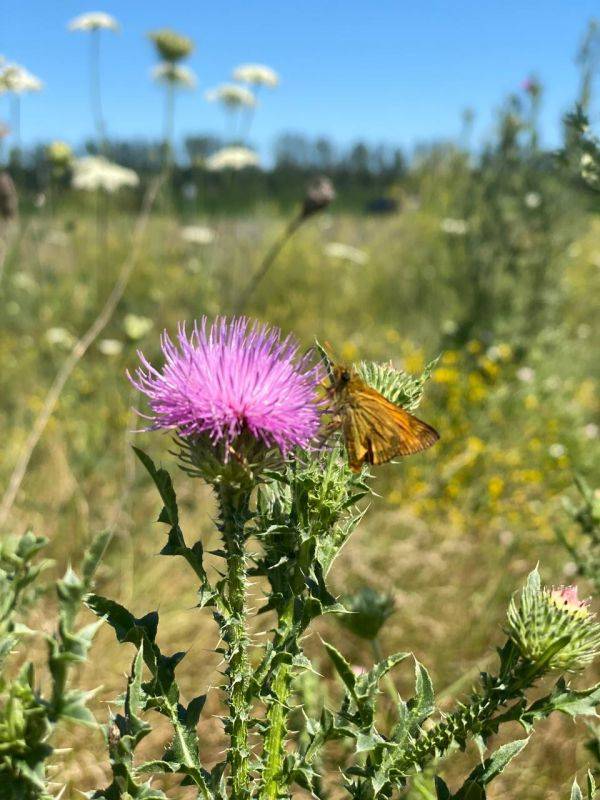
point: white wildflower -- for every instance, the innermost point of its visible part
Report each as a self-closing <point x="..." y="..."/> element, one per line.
<point x="136" y="326"/>
<point x="110" y="347"/>
<point x="94" y="21"/>
<point x="591" y="431"/>
<point x="197" y="234"/>
<point x="454" y="227"/>
<point x="525" y="374"/>
<point x="345" y="252"/>
<point x="256" y="75"/>
<point x="167" y="72"/>
<point x="96" y="172"/>
<point x="449" y="327"/>
<point x="18" y="80"/>
<point x="60" y="337"/>
<point x="556" y="450"/>
<point x="583" y="330"/>
<point x="533" y="199"/>
<point x="232" y="158"/>
<point x="231" y="96"/>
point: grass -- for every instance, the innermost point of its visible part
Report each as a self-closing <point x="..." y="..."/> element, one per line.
<point x="453" y="532"/>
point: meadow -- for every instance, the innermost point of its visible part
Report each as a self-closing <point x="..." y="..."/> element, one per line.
<point x="490" y="269"/>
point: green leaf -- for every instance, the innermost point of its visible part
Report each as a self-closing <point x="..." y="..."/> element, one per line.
<point x="591" y="785"/>
<point x="127" y="627"/>
<point x="576" y="791"/>
<point x="93" y="556"/>
<point x="422" y="705"/>
<point x="441" y="790"/>
<point x="163" y="483"/>
<point x="496" y="763"/>
<point x="569" y="701"/>
<point x="342" y="668"/>
<point x="176" y="545"/>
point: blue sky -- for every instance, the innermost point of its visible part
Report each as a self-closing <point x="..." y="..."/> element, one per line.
<point x="393" y="71"/>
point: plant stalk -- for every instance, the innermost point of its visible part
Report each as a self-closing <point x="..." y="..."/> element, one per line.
<point x="234" y="507"/>
<point x="274" y="747"/>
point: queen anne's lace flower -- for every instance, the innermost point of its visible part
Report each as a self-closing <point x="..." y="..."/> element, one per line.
<point x="18" y="80"/>
<point x="231" y="96"/>
<point x="345" y="252"/>
<point x="197" y="234"/>
<point x="232" y="158"/>
<point x="231" y="377"/>
<point x="94" y="21"/>
<point x="96" y="172"/>
<point x="256" y="75"/>
<point x="168" y="72"/>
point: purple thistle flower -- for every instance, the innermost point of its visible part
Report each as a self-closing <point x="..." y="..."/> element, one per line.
<point x="233" y="376"/>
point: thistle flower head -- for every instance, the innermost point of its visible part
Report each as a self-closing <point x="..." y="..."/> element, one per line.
<point x="230" y="379"/>
<point x="170" y="45"/>
<point x="175" y="74"/>
<point x="256" y="75"/>
<point x="96" y="172"/>
<point x="18" y="80"/>
<point x="231" y="96"/>
<point x="567" y="598"/>
<point x="94" y="21"/>
<point x="232" y="158"/>
<point x="553" y="627"/>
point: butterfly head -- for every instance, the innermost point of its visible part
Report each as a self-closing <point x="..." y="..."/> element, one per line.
<point x="342" y="378"/>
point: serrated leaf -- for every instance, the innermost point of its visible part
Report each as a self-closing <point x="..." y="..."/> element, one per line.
<point x="163" y="483"/>
<point x="423" y="703"/>
<point x="497" y="762"/>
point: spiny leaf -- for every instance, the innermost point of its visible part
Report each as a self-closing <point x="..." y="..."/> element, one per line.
<point x="496" y="763"/>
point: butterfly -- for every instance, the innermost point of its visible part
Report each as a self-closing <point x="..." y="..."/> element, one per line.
<point x="375" y="430"/>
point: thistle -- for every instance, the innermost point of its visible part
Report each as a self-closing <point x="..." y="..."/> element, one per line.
<point x="552" y="628"/>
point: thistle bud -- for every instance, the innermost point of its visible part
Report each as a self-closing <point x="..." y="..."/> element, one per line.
<point x="369" y="610"/>
<point x="546" y="617"/>
<point x="319" y="194"/>
<point x="9" y="201"/>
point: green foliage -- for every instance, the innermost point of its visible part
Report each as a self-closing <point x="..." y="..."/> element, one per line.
<point x="27" y="718"/>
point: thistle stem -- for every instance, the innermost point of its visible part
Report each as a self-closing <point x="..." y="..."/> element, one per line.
<point x="475" y="719"/>
<point x="272" y="787"/>
<point x="274" y="741"/>
<point x="268" y="261"/>
<point x="234" y="507"/>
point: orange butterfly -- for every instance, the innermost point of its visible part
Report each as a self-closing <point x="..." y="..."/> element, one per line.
<point x="375" y="429"/>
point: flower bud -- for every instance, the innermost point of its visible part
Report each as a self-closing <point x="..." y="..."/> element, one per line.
<point x="368" y="609"/>
<point x="319" y="194"/>
<point x="546" y="617"/>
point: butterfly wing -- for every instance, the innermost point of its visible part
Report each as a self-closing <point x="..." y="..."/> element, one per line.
<point x="376" y="430"/>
